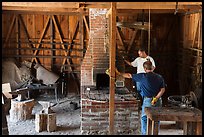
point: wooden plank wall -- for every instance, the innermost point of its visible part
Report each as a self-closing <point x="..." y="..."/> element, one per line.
<point x="190" y="53"/>
<point x="176" y="43"/>
<point x="41" y="28"/>
<point x="52" y="40"/>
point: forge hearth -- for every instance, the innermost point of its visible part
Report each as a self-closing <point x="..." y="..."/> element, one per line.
<point x="95" y="111"/>
<point x="102" y="94"/>
<point x="102" y="81"/>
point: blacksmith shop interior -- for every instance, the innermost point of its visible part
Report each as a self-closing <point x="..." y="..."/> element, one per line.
<point x="64" y="66"/>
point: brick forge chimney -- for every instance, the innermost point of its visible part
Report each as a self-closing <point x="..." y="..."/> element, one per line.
<point x="96" y="59"/>
<point x="95" y="102"/>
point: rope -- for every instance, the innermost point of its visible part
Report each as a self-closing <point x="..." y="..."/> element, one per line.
<point x="149" y="34"/>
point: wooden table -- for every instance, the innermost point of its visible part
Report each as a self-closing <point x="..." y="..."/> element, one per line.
<point x="186" y="115"/>
<point x="44" y="87"/>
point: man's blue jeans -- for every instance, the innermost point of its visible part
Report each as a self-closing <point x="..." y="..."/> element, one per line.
<point x="147" y="103"/>
<point x="138" y="88"/>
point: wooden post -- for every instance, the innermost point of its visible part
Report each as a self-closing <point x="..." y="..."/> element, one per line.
<point x="40" y="122"/>
<point x="199" y="128"/>
<point x="21" y="110"/>
<point x="51" y="122"/>
<point x="155" y="127"/>
<point x="149" y="126"/>
<point x="45" y="122"/>
<point x="112" y="66"/>
<point x="46" y="119"/>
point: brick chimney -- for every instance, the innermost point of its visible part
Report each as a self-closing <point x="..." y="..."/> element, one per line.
<point x="96" y="59"/>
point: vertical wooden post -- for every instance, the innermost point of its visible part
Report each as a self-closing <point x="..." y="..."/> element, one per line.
<point x="51" y="41"/>
<point x="155" y="125"/>
<point x="199" y="128"/>
<point x="45" y="122"/>
<point x="17" y="37"/>
<point x="185" y="127"/>
<point x="112" y="65"/>
<point x="51" y="122"/>
<point x="81" y="32"/>
<point x="40" y="122"/>
<point x="149" y="126"/>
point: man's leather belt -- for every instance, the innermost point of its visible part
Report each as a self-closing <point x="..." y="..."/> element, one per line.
<point x="148" y="97"/>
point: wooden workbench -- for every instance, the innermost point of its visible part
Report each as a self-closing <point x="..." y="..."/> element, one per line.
<point x="185" y="115"/>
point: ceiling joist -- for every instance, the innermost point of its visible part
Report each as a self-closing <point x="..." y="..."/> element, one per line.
<point x="74" y="6"/>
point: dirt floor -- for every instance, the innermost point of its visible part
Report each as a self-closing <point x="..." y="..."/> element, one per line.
<point x="67" y="120"/>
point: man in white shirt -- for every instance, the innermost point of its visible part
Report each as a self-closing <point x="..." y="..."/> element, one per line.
<point x="138" y="62"/>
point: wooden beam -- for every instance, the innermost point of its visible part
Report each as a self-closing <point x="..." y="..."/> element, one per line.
<point x="42" y="4"/>
<point x="26" y="32"/>
<point x="143" y="5"/>
<point x="51" y="41"/>
<point x="196" y="33"/>
<point x="61" y="40"/>
<point x="43" y="56"/>
<point x="112" y="66"/>
<point x="154" y="5"/>
<point x="108" y="13"/>
<point x="42" y="11"/>
<point x="28" y="48"/>
<point x="73" y="37"/>
<point x="81" y="33"/>
<point x="37" y="7"/>
<point x="103" y="5"/>
<point x="132" y="40"/>
<point x="63" y="6"/>
<point x="88" y="33"/>
<point x="133" y="12"/>
<point x="200" y="32"/>
<point x="25" y="10"/>
<point x="86" y="24"/>
<point x="121" y="37"/>
<point x="10" y="29"/>
<point x="41" y="37"/>
<point x="18" y="52"/>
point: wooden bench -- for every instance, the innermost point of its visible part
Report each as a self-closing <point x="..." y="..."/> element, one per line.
<point x="189" y="117"/>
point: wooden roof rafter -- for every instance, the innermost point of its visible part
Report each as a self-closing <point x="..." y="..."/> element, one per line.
<point x="75" y="6"/>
